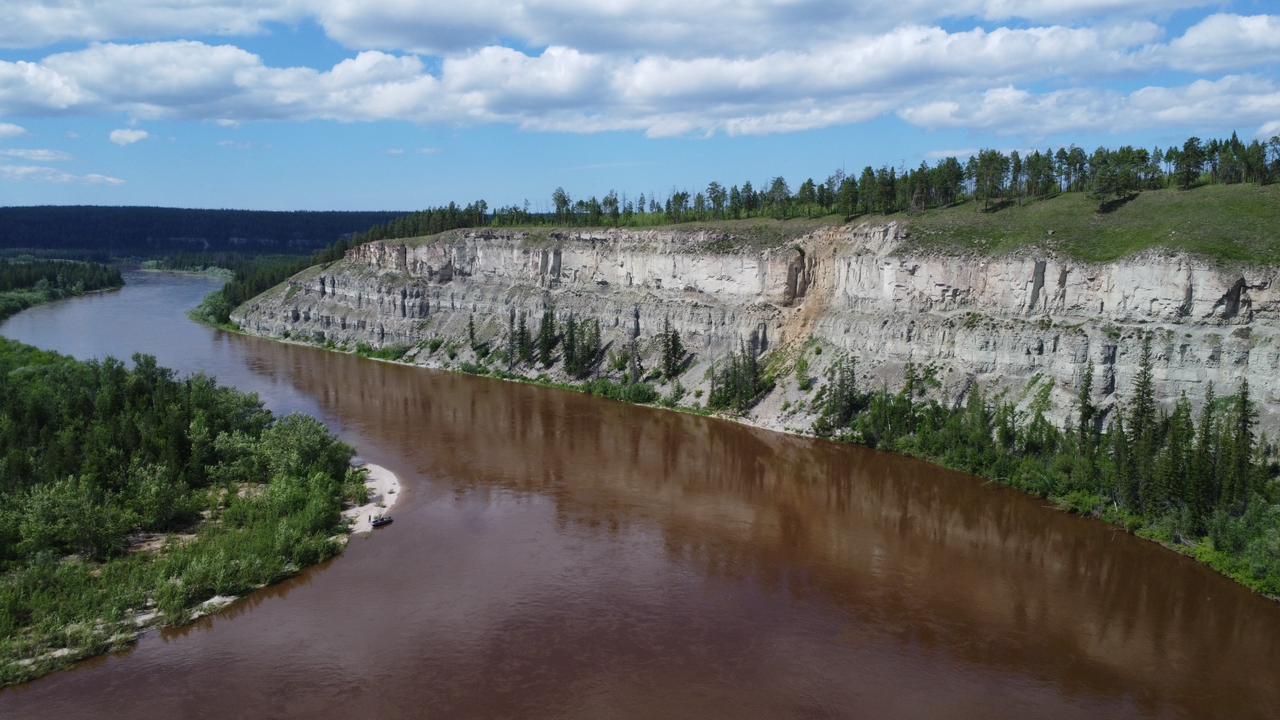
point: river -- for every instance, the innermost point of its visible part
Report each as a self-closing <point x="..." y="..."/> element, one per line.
<point x="560" y="556"/>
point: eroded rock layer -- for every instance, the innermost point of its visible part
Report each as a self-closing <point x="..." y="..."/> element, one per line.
<point x="1026" y="323"/>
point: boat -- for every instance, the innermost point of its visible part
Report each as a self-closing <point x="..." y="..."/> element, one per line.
<point x="380" y="521"/>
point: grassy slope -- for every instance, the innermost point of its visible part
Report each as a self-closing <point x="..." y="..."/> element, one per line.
<point x="748" y="232"/>
<point x="1226" y="222"/>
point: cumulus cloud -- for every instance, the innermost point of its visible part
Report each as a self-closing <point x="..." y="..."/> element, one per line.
<point x="36" y="23"/>
<point x="128" y="137"/>
<point x="36" y="155"/>
<point x="40" y="173"/>
<point x="621" y="65"/>
<point x="1225" y="41"/>
<point x="431" y="27"/>
<point x="9" y="130"/>
<point x="1225" y="102"/>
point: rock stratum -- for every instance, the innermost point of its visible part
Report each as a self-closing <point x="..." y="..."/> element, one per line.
<point x="1024" y="324"/>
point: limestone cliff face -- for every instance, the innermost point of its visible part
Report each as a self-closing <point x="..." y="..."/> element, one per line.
<point x="1006" y="322"/>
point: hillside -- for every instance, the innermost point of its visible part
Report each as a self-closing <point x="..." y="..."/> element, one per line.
<point x="1226" y="222"/>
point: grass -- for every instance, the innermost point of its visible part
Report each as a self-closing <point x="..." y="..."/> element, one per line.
<point x="1234" y="223"/>
<point x="724" y="235"/>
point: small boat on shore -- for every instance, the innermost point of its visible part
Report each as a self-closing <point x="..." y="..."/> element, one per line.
<point x="380" y="521"/>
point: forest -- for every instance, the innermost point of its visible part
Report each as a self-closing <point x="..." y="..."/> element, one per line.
<point x="99" y="232"/>
<point x="126" y="490"/>
<point x="27" y="281"/>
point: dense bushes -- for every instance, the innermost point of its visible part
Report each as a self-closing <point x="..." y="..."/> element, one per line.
<point x="96" y="457"/>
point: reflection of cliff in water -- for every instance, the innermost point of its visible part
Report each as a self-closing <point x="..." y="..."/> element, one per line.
<point x="929" y="559"/>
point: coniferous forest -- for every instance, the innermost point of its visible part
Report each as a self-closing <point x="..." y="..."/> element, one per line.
<point x="130" y="232"/>
<point x="26" y="281"/>
<point x="126" y="491"/>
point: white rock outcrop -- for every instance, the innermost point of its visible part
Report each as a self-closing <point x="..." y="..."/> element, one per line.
<point x="1006" y="322"/>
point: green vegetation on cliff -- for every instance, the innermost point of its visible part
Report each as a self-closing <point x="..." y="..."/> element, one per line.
<point x="1228" y="222"/>
<point x="128" y="495"/>
<point x="1203" y="484"/>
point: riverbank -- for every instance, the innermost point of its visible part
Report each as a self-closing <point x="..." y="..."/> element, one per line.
<point x="797" y="417"/>
<point x="28" y="656"/>
<point x="149" y="514"/>
<point x="382" y="489"/>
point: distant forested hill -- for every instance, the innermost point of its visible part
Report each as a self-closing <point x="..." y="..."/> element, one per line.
<point x="151" y="231"/>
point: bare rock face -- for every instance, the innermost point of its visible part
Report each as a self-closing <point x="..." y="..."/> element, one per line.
<point x="1004" y="322"/>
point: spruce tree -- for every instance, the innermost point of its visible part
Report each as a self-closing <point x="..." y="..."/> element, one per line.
<point x="511" y="337"/>
<point x="1084" y="427"/>
<point x="1238" y="474"/>
<point x="1205" y="487"/>
<point x="672" y="349"/>
<point x="547" y="337"/>
<point x="524" y="344"/>
<point x="1126" y="490"/>
<point x="571" y="346"/>
<point x="1142" y="428"/>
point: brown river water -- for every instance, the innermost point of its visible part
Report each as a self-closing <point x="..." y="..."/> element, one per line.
<point x="559" y="556"/>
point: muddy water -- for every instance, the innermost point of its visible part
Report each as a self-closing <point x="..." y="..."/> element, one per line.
<point x="559" y="556"/>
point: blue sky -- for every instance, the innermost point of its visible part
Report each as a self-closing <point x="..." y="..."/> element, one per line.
<point x="400" y="104"/>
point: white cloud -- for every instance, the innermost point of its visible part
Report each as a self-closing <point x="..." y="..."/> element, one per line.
<point x="944" y="154"/>
<point x="36" y="155"/>
<point x="1203" y="104"/>
<point x="429" y="151"/>
<point x="9" y="130"/>
<point x="128" y="137"/>
<point x="674" y="27"/>
<point x="39" y="173"/>
<point x="621" y="66"/>
<point x="1269" y="130"/>
<point x="1223" y="41"/>
<point x="35" y="23"/>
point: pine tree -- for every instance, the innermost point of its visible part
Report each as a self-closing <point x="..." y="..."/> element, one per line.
<point x="1169" y="481"/>
<point x="672" y="350"/>
<point x="1126" y="490"/>
<point x="1237" y="478"/>
<point x="588" y="347"/>
<point x="511" y="337"/>
<point x="840" y="403"/>
<point x="524" y="344"/>
<point x="1087" y="411"/>
<point x="571" y="358"/>
<point x="471" y="330"/>
<point x="547" y="337"/>
<point x="1204" y="465"/>
<point x="1142" y="427"/>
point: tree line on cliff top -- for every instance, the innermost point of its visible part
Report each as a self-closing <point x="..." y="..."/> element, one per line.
<point x="991" y="178"/>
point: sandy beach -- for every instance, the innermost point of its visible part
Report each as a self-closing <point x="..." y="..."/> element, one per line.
<point x="384" y="489"/>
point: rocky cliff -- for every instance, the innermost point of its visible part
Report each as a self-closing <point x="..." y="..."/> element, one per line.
<point x="1024" y="324"/>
